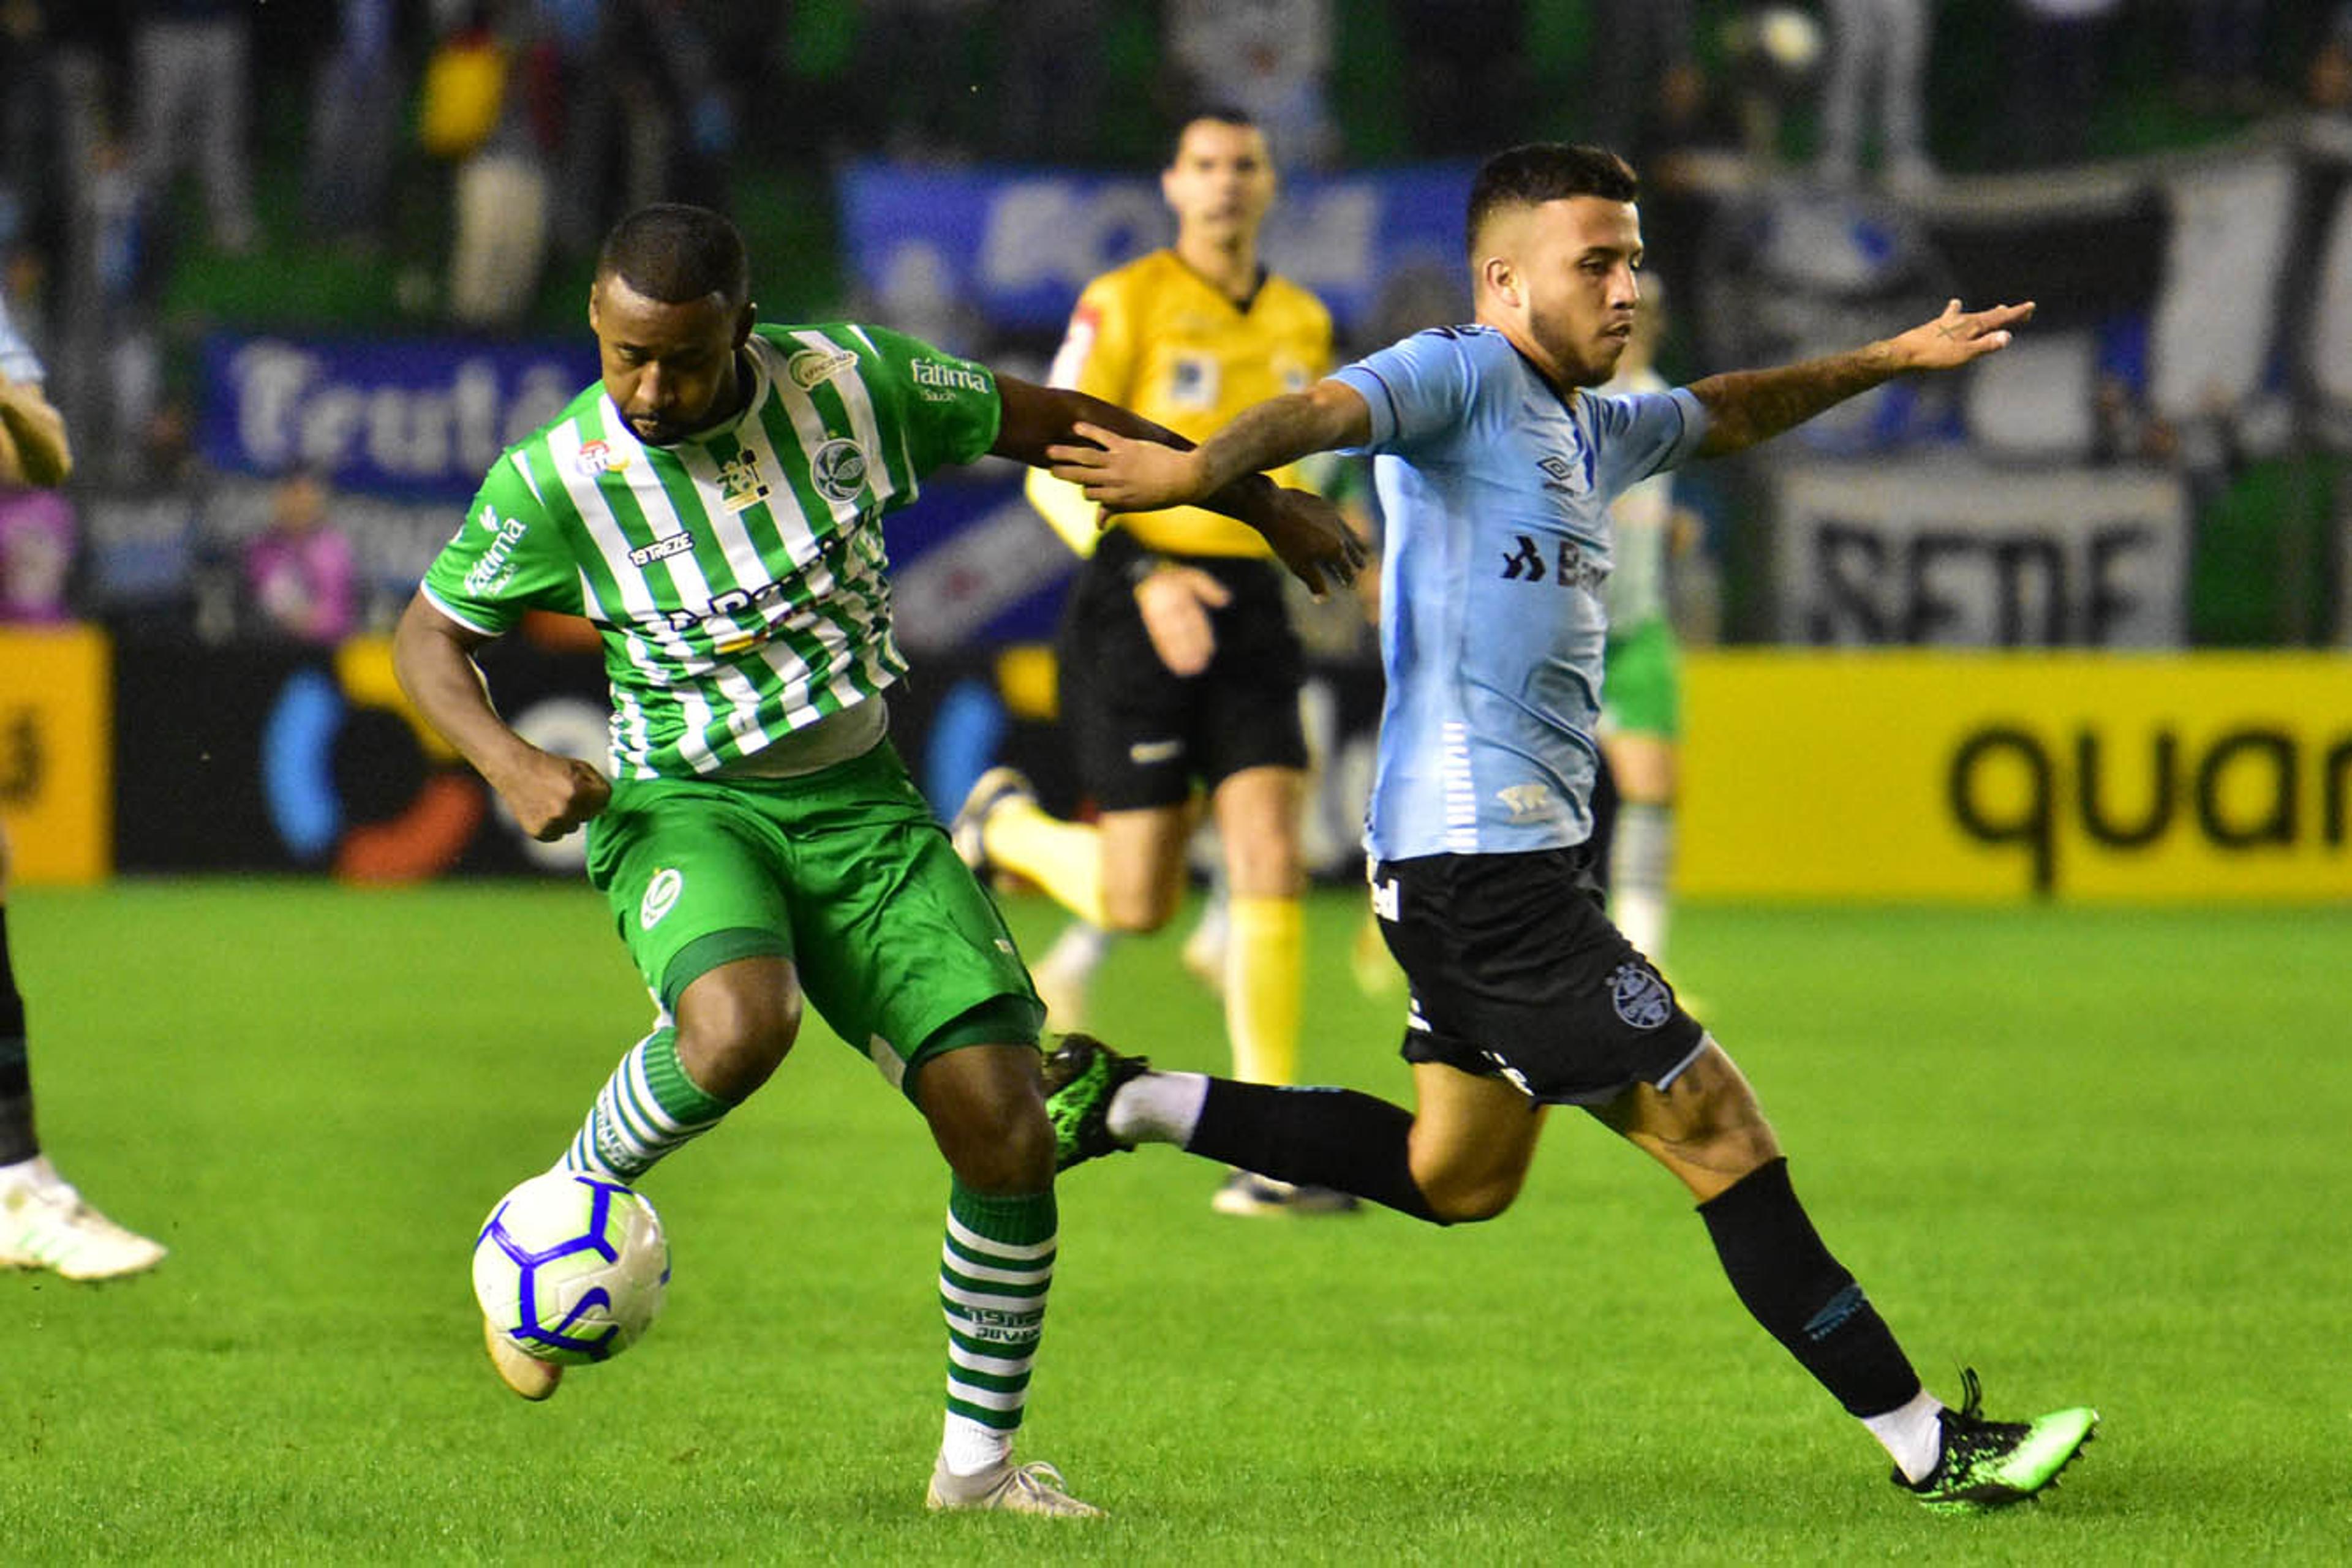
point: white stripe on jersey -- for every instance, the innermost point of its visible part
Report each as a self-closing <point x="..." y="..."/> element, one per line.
<point x="564" y="444"/>
<point x="1461" y="789"/>
<point x="809" y="425"/>
<point x="862" y="410"/>
<point x="691" y="745"/>
<point x="793" y="525"/>
<point x="632" y="733"/>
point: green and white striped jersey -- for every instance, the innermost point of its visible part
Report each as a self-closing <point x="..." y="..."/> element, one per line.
<point x="738" y="577"/>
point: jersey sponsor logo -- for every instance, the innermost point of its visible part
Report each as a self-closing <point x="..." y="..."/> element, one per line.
<point x="949" y="377"/>
<point x="838" y="469"/>
<point x="1566" y="475"/>
<point x="995" y="1325"/>
<point x="661" y="550"/>
<point x="661" y="897"/>
<point x="740" y="483"/>
<point x="1143" y="753"/>
<point x="1526" y="801"/>
<point x="1639" y="997"/>
<point x="496" y="567"/>
<point x="769" y="597"/>
<point x="1570" y="567"/>
<point x="598" y="456"/>
<point x="814" y="367"/>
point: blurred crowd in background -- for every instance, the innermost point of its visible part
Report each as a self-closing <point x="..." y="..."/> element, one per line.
<point x="174" y="168"/>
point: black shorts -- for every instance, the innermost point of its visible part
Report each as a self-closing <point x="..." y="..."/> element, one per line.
<point x="1517" y="972"/>
<point x="1143" y="735"/>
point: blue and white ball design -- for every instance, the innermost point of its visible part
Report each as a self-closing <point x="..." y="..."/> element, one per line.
<point x="571" y="1267"/>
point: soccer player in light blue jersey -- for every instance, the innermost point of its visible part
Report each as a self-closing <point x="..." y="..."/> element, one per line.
<point x="44" y="1222"/>
<point x="1495" y="463"/>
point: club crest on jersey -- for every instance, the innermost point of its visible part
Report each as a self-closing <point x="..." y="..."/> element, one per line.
<point x="1639" y="996"/>
<point x="599" y="457"/>
<point x="838" y="469"/>
<point x="740" y="483"/>
<point x="661" y="897"/>
<point x="813" y="367"/>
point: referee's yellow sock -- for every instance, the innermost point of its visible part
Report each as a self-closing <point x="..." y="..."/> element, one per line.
<point x="1264" y="980"/>
<point x="1064" y="858"/>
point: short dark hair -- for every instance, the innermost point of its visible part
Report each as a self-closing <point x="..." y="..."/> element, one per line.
<point x="1221" y="113"/>
<point x="674" y="253"/>
<point x="1541" y="172"/>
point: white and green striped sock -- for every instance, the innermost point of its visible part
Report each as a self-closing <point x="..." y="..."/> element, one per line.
<point x="994" y="1269"/>
<point x="647" y="1107"/>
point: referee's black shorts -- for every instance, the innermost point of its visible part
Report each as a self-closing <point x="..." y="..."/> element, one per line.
<point x="1142" y="735"/>
<point x="1516" y="973"/>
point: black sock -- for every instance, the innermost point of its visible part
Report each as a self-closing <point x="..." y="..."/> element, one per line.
<point x="1316" y="1137"/>
<point x="17" y="1140"/>
<point x="1791" y="1284"/>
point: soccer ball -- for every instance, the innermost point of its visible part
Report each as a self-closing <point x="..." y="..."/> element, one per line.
<point x="572" y="1268"/>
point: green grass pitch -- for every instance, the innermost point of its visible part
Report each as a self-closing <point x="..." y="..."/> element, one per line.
<point x="2097" y="1154"/>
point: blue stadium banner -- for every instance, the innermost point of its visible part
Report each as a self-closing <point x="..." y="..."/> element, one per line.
<point x="404" y="417"/>
<point x="1017" y="245"/>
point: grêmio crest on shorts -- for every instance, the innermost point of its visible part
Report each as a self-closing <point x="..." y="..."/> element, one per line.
<point x="738" y="577"/>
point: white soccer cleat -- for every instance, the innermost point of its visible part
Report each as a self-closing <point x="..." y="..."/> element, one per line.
<point x="527" y="1374"/>
<point x="1245" y="1193"/>
<point x="45" y="1223"/>
<point x="1035" y="1487"/>
<point x="969" y="832"/>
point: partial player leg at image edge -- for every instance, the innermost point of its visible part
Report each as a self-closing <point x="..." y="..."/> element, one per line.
<point x="46" y="1222"/>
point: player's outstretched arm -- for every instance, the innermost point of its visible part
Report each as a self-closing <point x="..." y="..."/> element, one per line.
<point x="434" y="657"/>
<point x="1134" y="475"/>
<point x="1746" y="406"/>
<point x="1045" y="426"/>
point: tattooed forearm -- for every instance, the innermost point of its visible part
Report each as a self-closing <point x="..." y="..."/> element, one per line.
<point x="1746" y="406"/>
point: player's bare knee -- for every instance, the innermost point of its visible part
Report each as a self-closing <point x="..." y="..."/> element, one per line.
<point x="995" y="1138"/>
<point x="732" y="1051"/>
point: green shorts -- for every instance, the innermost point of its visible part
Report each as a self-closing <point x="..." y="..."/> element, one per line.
<point x="846" y="872"/>
<point x="1640" y="682"/>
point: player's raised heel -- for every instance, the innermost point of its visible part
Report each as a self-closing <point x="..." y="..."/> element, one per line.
<point x="1035" y="1487"/>
<point x="968" y="832"/>
<point x="1081" y="1077"/>
<point x="526" y="1374"/>
<point x="1992" y="1463"/>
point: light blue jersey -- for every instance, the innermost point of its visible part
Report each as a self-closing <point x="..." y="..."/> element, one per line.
<point x="1496" y="490"/>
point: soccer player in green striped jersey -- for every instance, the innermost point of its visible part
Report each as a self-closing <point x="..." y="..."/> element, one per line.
<point x="713" y="505"/>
